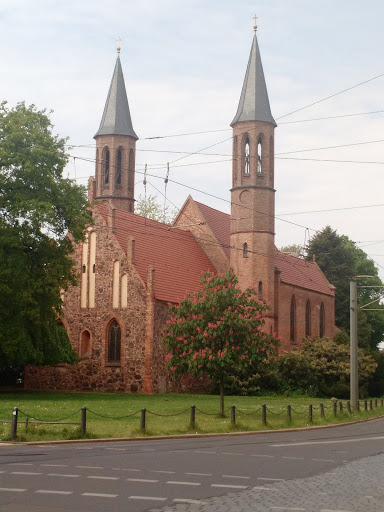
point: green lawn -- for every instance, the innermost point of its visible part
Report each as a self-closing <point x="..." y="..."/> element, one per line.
<point x="118" y="415"/>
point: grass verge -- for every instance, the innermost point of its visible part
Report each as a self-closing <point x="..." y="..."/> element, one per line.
<point x="118" y="415"/>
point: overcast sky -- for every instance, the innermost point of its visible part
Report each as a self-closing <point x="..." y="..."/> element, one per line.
<point x="184" y="65"/>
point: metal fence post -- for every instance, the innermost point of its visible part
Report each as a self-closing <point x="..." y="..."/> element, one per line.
<point x="142" y="420"/>
<point x="233" y="415"/>
<point x="289" y="412"/>
<point x="192" y="419"/>
<point x="322" y="414"/>
<point x="14" y="423"/>
<point x="83" y="421"/>
<point x="264" y="414"/>
<point x="310" y="413"/>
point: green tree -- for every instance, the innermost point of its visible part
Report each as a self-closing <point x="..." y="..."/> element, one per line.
<point x="340" y="260"/>
<point x="321" y="367"/>
<point x="218" y="330"/>
<point x="151" y="208"/>
<point x="38" y="210"/>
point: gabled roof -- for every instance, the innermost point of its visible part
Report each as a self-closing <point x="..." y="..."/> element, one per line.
<point x="294" y="271"/>
<point x="175" y="255"/>
<point x="254" y="102"/>
<point x="219" y="224"/>
<point x="116" y="118"/>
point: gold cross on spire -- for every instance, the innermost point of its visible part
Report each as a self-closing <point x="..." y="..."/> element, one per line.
<point x="118" y="45"/>
<point x="255" y="23"/>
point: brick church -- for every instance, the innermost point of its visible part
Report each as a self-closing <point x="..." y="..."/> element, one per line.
<point x="130" y="267"/>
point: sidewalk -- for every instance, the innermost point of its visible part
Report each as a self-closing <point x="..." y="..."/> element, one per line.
<point x="355" y="487"/>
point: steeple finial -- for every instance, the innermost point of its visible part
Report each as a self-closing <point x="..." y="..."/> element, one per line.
<point x="255" y="23"/>
<point x="118" y="45"/>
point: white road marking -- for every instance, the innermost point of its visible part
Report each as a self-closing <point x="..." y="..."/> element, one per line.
<point x="11" y="489"/>
<point x="104" y="477"/>
<point x="295" y="458"/>
<point x="144" y="480"/>
<point x="21" y="464"/>
<point x="185" y="500"/>
<point x="166" y="472"/>
<point x="267" y="456"/>
<point x="305" y="443"/>
<point x="84" y="448"/>
<point x="117" y="449"/>
<point x="174" y="482"/>
<point x="97" y="495"/>
<point x="45" y="491"/>
<point x="150" y="498"/>
<point x="231" y="453"/>
<point x="127" y="469"/>
<point x="90" y="467"/>
<point x="204" y="451"/>
<point x="265" y="489"/>
<point x="54" y="465"/>
<point x="271" y="479"/>
<point x="61" y="475"/>
<point x="25" y="473"/>
<point x="236" y="476"/>
<point x="229" y="486"/>
<point x="324" y="460"/>
<point x="199" y="474"/>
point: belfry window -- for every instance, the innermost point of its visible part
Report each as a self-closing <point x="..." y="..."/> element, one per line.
<point x="308" y="319"/>
<point x="114" y="342"/>
<point x="131" y="170"/>
<point x="246" y="157"/>
<point x="106" y="166"/>
<point x="118" y="167"/>
<point x="322" y="320"/>
<point x="292" y="317"/>
<point x="259" y="170"/>
<point x="245" y="250"/>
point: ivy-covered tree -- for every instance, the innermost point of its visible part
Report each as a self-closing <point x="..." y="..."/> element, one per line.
<point x="38" y="210"/>
<point x="340" y="260"/>
<point x="218" y="330"/>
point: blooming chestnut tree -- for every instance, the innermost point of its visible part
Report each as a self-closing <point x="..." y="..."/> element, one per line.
<point x="217" y="330"/>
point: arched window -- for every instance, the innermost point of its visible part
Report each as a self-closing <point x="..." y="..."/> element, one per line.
<point x="85" y="344"/>
<point x="292" y="316"/>
<point x="260" y="290"/>
<point x="308" y="319"/>
<point x="118" y="166"/>
<point x="322" y="320"/>
<point x="245" y="250"/>
<point x="259" y="170"/>
<point x="131" y="170"/>
<point x="114" y="342"/>
<point x="246" y="156"/>
<point x="106" y="166"/>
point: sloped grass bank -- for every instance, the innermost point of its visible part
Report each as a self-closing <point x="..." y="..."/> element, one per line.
<point x="119" y="415"/>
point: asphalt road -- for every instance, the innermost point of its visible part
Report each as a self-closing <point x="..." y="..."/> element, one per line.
<point x="268" y="471"/>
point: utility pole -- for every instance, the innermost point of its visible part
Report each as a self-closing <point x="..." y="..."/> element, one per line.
<point x="354" y="383"/>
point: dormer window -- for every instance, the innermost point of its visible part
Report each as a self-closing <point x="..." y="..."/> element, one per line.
<point x="246" y="157"/>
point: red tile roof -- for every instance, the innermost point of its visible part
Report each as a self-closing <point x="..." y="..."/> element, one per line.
<point x="175" y="255"/>
<point x="294" y="271"/>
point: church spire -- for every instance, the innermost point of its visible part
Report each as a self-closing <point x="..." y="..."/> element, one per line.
<point x="116" y="118"/>
<point x="254" y="102"/>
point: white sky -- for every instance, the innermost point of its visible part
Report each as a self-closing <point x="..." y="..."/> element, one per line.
<point x="184" y="65"/>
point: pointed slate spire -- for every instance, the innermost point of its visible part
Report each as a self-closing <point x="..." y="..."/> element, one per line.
<point x="254" y="102"/>
<point x="116" y="118"/>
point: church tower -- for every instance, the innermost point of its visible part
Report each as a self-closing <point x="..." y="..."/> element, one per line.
<point x="115" y="148"/>
<point x="252" y="228"/>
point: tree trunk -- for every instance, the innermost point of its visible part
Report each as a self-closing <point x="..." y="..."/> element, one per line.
<point x="221" y="398"/>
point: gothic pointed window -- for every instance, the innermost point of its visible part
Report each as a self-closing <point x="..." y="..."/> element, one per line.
<point x="245" y="250"/>
<point x="114" y="342"/>
<point x="106" y="166"/>
<point x="131" y="170"/>
<point x="246" y="157"/>
<point x="292" y="316"/>
<point x="118" y="166"/>
<point x="259" y="170"/>
<point x="322" y="320"/>
<point x="308" y="319"/>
